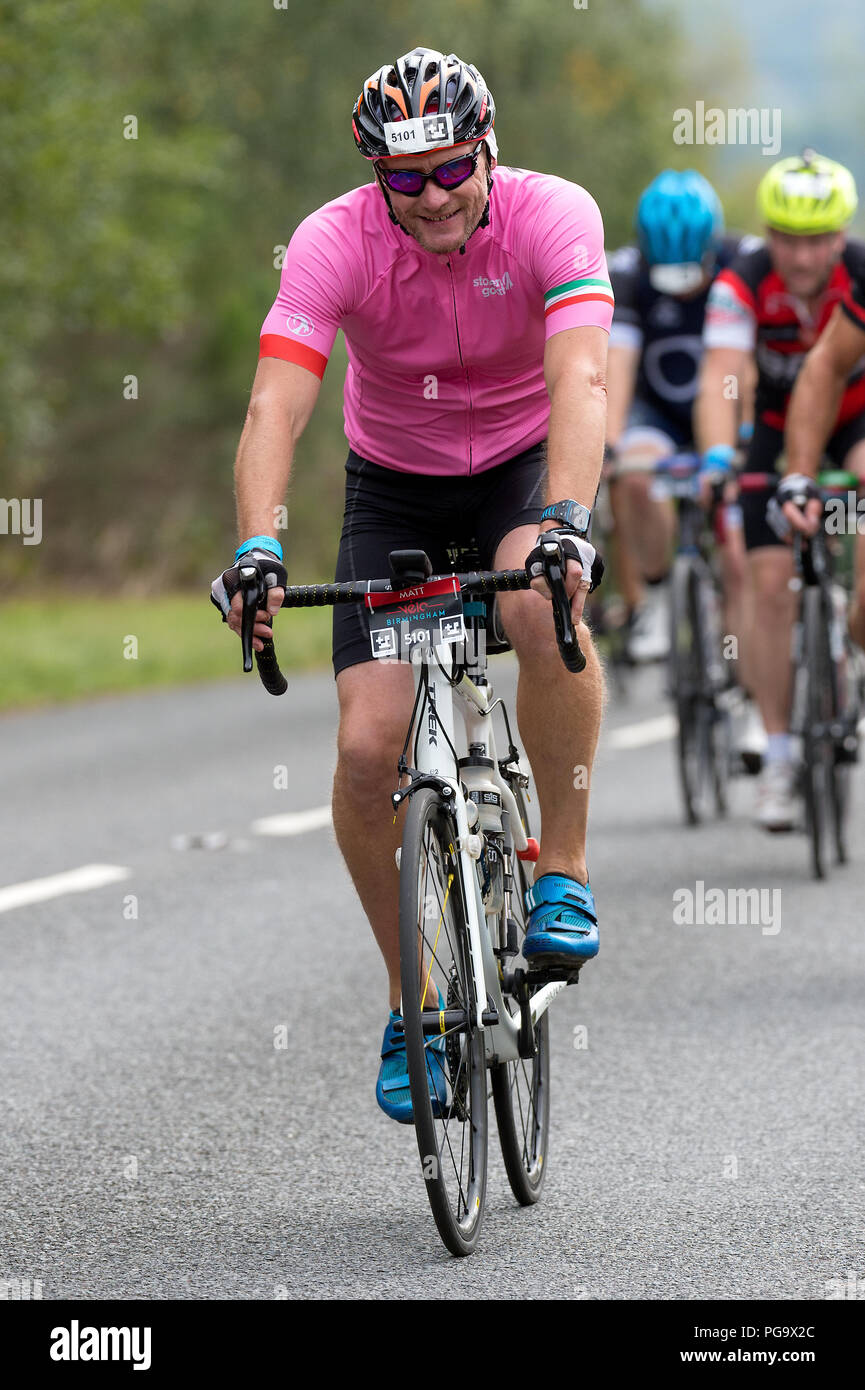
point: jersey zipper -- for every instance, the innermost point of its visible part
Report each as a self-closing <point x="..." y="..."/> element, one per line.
<point x="462" y="363"/>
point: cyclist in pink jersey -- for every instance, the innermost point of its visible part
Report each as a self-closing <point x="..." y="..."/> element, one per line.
<point x="476" y="312"/>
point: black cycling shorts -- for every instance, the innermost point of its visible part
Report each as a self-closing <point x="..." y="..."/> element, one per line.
<point x="766" y="445"/>
<point x="387" y="510"/>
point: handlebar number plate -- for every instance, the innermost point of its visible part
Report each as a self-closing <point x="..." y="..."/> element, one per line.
<point x="419" y="618"/>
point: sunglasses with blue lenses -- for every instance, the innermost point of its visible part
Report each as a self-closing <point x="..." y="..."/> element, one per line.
<point x="411" y="183"/>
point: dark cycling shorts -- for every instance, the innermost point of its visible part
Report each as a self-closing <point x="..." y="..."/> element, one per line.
<point x="387" y="510"/>
<point x="766" y="444"/>
<point x="645" y="415"/>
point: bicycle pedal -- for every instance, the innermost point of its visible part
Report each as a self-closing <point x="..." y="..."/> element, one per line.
<point x="554" y="973"/>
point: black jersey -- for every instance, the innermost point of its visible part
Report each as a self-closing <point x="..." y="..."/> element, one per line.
<point x="667" y="329"/>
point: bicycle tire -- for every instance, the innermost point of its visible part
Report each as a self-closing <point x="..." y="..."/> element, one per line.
<point x="434" y="954"/>
<point x="687" y="681"/>
<point x="521" y="1089"/>
<point x="840" y="778"/>
<point x="818" y="754"/>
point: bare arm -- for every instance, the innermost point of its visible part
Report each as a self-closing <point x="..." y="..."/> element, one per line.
<point x="622" y="364"/>
<point x="282" y="400"/>
<point x="817" y="394"/>
<point x="716" y="408"/>
<point x="575" y="373"/>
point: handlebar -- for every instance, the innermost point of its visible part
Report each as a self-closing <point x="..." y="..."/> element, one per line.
<point x="476" y="583"/>
<point x="254" y="592"/>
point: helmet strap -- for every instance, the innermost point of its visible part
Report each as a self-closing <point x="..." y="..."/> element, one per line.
<point x="386" y="195"/>
<point x="485" y="215"/>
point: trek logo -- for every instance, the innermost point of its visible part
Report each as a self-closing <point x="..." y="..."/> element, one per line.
<point x="77" y="1343"/>
<point x="300" y="325"/>
<point x="499" y="285"/>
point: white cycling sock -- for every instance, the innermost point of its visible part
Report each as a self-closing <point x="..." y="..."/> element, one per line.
<point x="779" y="748"/>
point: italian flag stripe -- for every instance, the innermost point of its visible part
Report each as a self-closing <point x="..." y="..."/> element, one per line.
<point x="578" y="289"/>
<point x="579" y="299"/>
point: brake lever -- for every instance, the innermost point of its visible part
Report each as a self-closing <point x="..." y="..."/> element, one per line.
<point x="571" y="652"/>
<point x="253" y="592"/>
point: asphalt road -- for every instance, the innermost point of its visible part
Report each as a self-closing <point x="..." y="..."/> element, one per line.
<point x="188" y="1101"/>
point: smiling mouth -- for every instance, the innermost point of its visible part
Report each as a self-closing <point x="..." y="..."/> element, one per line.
<point x="447" y="218"/>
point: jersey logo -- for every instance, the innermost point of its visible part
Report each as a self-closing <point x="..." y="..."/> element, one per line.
<point x="666" y="313"/>
<point x="497" y="285"/>
<point x="299" y="325"/>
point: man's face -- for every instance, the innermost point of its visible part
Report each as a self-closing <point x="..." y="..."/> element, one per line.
<point x="441" y="219"/>
<point x="805" y="262"/>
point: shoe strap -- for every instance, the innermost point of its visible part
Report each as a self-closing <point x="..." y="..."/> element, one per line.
<point x="555" y="890"/>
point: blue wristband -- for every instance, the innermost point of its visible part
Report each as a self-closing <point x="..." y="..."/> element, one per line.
<point x="259" y="543"/>
<point x="718" y="459"/>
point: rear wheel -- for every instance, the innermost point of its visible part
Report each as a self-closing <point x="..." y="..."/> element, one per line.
<point x="521" y="1089"/>
<point x="444" y="1048"/>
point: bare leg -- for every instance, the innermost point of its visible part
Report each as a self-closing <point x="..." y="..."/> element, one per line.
<point x="627" y="569"/>
<point x="375" y="706"/>
<point x="768" y="657"/>
<point x="647" y="525"/>
<point x="559" y="716"/>
<point x="736" y="599"/>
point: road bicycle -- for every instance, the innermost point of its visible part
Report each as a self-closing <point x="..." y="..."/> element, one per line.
<point x="473" y="1010"/>
<point x="827" y="667"/>
<point x="606" y="612"/>
<point x="701" y="682"/>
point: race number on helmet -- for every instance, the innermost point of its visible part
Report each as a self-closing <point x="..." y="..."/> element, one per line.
<point x="423" y="102"/>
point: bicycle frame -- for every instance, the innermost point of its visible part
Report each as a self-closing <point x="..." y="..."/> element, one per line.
<point x="435" y="736"/>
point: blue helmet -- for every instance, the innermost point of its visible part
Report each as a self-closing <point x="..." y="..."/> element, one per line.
<point x="679" y="219"/>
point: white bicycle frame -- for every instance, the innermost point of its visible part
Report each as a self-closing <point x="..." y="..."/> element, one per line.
<point x="435" y="738"/>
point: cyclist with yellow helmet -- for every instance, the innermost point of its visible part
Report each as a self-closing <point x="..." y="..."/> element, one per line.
<point x="820" y="388"/>
<point x="769" y="308"/>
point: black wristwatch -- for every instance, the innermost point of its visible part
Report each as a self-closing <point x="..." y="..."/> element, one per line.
<point x="569" y="513"/>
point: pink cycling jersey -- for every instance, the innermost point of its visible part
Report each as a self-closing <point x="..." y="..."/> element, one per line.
<point x="445" y="354"/>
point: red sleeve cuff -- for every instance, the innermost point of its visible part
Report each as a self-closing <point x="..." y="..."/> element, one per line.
<point x="272" y="345"/>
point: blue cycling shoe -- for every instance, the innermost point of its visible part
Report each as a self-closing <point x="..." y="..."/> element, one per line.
<point x="563" y="922"/>
<point x="392" y="1089"/>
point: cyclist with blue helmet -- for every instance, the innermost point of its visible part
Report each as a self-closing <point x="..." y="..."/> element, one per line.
<point x="660" y="286"/>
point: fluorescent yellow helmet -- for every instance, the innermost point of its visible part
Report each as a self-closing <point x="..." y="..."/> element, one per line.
<point x="806" y="195"/>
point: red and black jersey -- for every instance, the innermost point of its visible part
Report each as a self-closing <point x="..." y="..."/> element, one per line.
<point x="853" y="303"/>
<point x="750" y="307"/>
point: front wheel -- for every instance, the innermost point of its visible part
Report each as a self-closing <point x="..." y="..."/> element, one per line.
<point x="521" y="1089"/>
<point x="818" y="770"/>
<point x="688" y="686"/>
<point x="444" y="1048"/>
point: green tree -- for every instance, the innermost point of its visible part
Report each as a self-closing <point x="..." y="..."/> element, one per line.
<point x="156" y="257"/>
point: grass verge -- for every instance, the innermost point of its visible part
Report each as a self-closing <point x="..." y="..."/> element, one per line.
<point x="70" y="648"/>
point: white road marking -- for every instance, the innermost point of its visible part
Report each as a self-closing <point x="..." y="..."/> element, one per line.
<point x="39" y="890"/>
<point x="293" y="822"/>
<point x="647" y="731"/>
<point x="630" y="736"/>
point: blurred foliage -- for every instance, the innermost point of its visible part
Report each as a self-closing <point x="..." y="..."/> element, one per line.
<point x="154" y="257"/>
